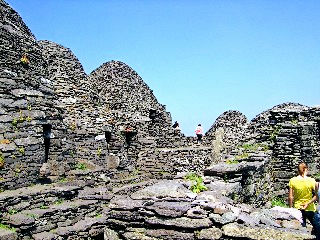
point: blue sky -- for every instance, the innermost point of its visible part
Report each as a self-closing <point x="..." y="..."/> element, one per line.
<point x="201" y="58"/>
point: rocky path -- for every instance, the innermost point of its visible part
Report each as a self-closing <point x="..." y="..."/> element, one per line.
<point x="154" y="209"/>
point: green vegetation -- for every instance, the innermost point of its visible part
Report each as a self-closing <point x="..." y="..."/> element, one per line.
<point x="73" y="126"/>
<point x="232" y="161"/>
<point x="63" y="180"/>
<point x="2" y="161"/>
<point x="7" y="227"/>
<point x="81" y="166"/>
<point x="12" y="211"/>
<point x="20" y="119"/>
<point x="316" y="176"/>
<point x="99" y="151"/>
<point x="277" y="201"/>
<point x="44" y="207"/>
<point x="244" y="155"/>
<point x="21" y="150"/>
<point x="235" y="197"/>
<point x="24" y="60"/>
<point x="245" y="150"/>
<point x="98" y="215"/>
<point x="274" y="133"/>
<point x="72" y="152"/>
<point x="134" y="173"/>
<point x="59" y="201"/>
<point x="14" y="122"/>
<point x="197" y="183"/>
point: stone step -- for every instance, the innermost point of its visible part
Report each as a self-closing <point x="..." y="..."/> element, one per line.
<point x="8" y="234"/>
<point x="90" y="227"/>
<point x="46" y="218"/>
<point x="37" y="195"/>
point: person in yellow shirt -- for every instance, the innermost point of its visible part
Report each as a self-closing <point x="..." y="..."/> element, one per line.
<point x="301" y="190"/>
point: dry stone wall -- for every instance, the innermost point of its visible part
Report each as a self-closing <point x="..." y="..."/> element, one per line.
<point x="111" y="120"/>
<point x="164" y="209"/>
<point x="84" y="114"/>
<point x="27" y="104"/>
<point x="226" y="133"/>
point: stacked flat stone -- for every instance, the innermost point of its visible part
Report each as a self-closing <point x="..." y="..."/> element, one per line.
<point x="150" y="210"/>
<point x="84" y="114"/>
<point x="27" y="102"/>
<point x="230" y="127"/>
<point x="53" y="89"/>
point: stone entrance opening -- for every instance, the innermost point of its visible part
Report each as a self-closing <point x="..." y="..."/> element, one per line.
<point x="107" y="135"/>
<point x="46" y="138"/>
<point x="152" y="114"/>
<point x="129" y="135"/>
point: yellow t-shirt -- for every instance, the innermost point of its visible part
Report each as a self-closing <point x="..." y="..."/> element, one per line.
<point x="302" y="191"/>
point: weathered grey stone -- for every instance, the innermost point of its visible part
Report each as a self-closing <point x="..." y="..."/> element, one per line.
<point x="27" y="141"/>
<point x="224" y="188"/>
<point x="45" y="236"/>
<point x="166" y="234"/>
<point x="294" y="224"/>
<point x="125" y="203"/>
<point x="26" y="92"/>
<point x="163" y="189"/>
<point x="5" y="118"/>
<point x="110" y="234"/>
<point x="223" y="219"/>
<point x="19" y="219"/>
<point x="137" y="235"/>
<point x="196" y="212"/>
<point x="221" y="169"/>
<point x="44" y="170"/>
<point x="241" y="231"/>
<point x="182" y="222"/>
<point x="247" y="219"/>
<point x="7" y="147"/>
<point x="8" y="235"/>
<point x="172" y="209"/>
<point x="210" y="233"/>
<point x="112" y="161"/>
<point x="126" y="216"/>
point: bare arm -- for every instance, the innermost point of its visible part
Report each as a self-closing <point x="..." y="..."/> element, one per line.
<point x="290" y="197"/>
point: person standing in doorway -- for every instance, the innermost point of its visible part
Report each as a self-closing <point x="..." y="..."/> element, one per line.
<point x="199" y="133"/>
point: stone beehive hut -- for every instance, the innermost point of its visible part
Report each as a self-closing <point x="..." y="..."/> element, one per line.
<point x="130" y="100"/>
<point x="49" y="96"/>
<point x="84" y="113"/>
<point x="277" y="140"/>
<point x="28" y="104"/>
<point x="226" y="133"/>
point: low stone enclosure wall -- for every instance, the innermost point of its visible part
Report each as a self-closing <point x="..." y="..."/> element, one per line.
<point x="92" y="156"/>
